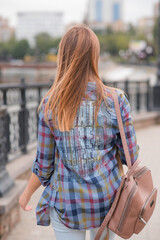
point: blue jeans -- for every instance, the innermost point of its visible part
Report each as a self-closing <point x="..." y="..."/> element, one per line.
<point x="64" y="233"/>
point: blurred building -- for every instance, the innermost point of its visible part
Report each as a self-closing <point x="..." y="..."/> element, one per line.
<point x="6" y="31"/>
<point x="107" y="11"/>
<point x="32" y="23"/>
<point x="145" y="25"/>
<point x="156" y="10"/>
<point x="103" y="13"/>
<point x="147" y="22"/>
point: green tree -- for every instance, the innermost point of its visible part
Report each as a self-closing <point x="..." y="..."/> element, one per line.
<point x="44" y="42"/>
<point x="114" y="42"/>
<point x="109" y="30"/>
<point x="6" y="48"/>
<point x="155" y="35"/>
<point x="3" y="52"/>
<point x="20" y="49"/>
<point x="131" y="29"/>
<point x="55" y="43"/>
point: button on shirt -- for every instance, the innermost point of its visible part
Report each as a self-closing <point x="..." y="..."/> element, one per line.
<point x="78" y="168"/>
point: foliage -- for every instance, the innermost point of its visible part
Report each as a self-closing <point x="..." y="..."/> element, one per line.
<point x="13" y="49"/>
<point x="155" y="35"/>
<point x="110" y="41"/>
<point x="6" y="49"/>
<point x="18" y="49"/>
<point x="44" y="42"/>
<point x="114" y="42"/>
<point x="131" y="30"/>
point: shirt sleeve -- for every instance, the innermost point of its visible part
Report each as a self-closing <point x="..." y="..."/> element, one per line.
<point x="129" y="130"/>
<point x="43" y="165"/>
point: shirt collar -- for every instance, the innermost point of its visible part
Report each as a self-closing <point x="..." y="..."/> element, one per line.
<point x="91" y="86"/>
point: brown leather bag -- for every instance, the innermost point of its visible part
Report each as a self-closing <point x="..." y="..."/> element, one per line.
<point x="136" y="197"/>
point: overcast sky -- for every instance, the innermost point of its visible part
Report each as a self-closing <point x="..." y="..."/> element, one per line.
<point x="74" y="10"/>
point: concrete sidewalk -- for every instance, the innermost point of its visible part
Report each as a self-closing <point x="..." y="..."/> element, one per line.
<point x="149" y="142"/>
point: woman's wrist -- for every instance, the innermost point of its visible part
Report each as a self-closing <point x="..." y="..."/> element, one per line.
<point x="27" y="193"/>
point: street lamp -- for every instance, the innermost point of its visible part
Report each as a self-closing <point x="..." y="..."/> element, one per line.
<point x="156" y="88"/>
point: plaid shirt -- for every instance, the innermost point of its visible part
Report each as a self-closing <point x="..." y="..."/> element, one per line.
<point x="78" y="168"/>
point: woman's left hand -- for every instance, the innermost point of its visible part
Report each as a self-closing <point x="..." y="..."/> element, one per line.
<point x="23" y="201"/>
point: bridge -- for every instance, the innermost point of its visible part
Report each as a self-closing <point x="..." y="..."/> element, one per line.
<point x="18" y="135"/>
<point x="21" y="64"/>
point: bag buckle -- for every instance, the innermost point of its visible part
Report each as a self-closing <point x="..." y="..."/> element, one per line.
<point x="142" y="219"/>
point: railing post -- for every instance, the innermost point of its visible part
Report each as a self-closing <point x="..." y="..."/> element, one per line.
<point x="138" y="95"/>
<point x="39" y="95"/>
<point x="0" y="75"/>
<point x="126" y="87"/>
<point x="5" y="181"/>
<point x="104" y="82"/>
<point x="148" y="96"/>
<point x="39" y="100"/>
<point x="115" y="84"/>
<point x="5" y="97"/>
<point x="7" y="120"/>
<point x="23" y="119"/>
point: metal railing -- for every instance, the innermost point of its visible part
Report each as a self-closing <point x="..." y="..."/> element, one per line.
<point x="6" y="182"/>
<point x="23" y="99"/>
<point x="139" y="93"/>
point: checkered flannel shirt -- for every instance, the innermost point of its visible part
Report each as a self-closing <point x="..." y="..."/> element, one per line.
<point x="78" y="168"/>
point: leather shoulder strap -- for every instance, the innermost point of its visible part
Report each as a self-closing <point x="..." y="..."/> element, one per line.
<point x="121" y="128"/>
<point x="128" y="160"/>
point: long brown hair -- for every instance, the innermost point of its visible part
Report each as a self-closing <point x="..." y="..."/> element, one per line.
<point x="78" y="57"/>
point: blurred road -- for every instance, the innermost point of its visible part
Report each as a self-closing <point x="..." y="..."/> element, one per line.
<point x="149" y="142"/>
